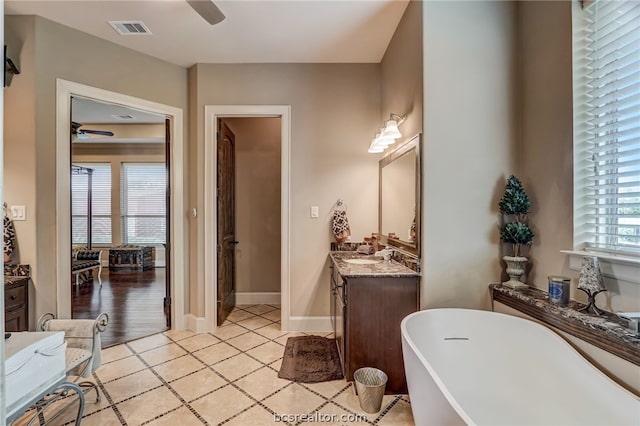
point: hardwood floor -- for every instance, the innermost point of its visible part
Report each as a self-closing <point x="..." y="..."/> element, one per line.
<point x="133" y="302"/>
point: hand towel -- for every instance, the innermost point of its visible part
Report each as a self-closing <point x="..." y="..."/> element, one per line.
<point x="366" y="249"/>
<point x="340" y="226"/>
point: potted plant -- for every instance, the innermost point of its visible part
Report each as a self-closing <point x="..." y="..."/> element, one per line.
<point x="514" y="206"/>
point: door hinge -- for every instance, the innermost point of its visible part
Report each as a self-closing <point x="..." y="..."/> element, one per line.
<point x="167" y="301"/>
<point x="219" y="248"/>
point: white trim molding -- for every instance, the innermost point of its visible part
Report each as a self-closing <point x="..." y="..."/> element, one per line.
<point x="612" y="266"/>
<point x="310" y="324"/>
<point x="209" y="279"/>
<point x="64" y="91"/>
<point x="195" y="324"/>
<point x="255" y="298"/>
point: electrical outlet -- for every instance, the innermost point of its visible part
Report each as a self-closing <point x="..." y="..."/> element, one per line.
<point x="314" y="212"/>
<point x="19" y="212"/>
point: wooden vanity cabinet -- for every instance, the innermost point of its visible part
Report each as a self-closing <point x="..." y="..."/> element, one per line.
<point x="16" y="305"/>
<point x="366" y="313"/>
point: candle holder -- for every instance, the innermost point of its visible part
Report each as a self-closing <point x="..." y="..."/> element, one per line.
<point x="591" y="282"/>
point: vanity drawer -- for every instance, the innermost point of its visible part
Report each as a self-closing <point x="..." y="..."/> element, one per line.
<point x="14" y="297"/>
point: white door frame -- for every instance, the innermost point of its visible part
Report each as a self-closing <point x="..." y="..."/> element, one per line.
<point x="211" y="114"/>
<point x="64" y="91"/>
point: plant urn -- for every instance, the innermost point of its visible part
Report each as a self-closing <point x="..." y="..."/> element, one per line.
<point x="515" y="268"/>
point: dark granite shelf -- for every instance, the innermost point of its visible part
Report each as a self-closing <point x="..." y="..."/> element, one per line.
<point x="608" y="332"/>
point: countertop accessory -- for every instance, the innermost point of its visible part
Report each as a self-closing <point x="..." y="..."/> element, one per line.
<point x="633" y="321"/>
<point x="365" y="249"/>
<point x="591" y="282"/>
<point x="340" y="223"/>
<point x="559" y="288"/>
<point x="514" y="207"/>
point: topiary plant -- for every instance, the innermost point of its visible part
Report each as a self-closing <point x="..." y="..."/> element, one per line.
<point x="515" y="203"/>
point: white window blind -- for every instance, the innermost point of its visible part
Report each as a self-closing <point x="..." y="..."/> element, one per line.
<point x="100" y="204"/>
<point x="607" y="127"/>
<point x="144" y="212"/>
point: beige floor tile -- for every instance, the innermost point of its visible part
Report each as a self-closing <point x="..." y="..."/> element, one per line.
<point x="178" y="367"/>
<point x="239" y="315"/>
<point x="274" y="315"/>
<point x="198" y="341"/>
<point x="114" y="353"/>
<point x="178" y="334"/>
<point x="254" y="416"/>
<point x="148" y="405"/>
<point x="271" y="331"/>
<point x="132" y="385"/>
<point x="276" y="364"/>
<point x="182" y="417"/>
<point x="222" y="404"/>
<point x="228" y="331"/>
<point x="216" y="353"/>
<point x="349" y="400"/>
<point x="162" y="354"/>
<point x="245" y="306"/>
<point x="236" y="367"/>
<point x="267" y="353"/>
<point x="294" y="399"/>
<point x="90" y="404"/>
<point x="262" y="383"/>
<point x="327" y="389"/>
<point x="150" y="342"/>
<point x="197" y="384"/>
<point x="247" y="341"/>
<point x="103" y="418"/>
<point x="120" y="368"/>
<point x="260" y="309"/>
<point x="399" y="415"/>
<point x="253" y="323"/>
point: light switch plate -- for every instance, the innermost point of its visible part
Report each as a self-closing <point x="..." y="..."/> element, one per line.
<point x="18" y="212"/>
<point x="314" y="212"/>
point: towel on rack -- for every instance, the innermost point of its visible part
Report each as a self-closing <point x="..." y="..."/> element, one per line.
<point x="340" y="225"/>
<point x="80" y="334"/>
<point x="9" y="238"/>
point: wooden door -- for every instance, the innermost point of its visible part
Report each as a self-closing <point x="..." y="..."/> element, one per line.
<point x="167" y="245"/>
<point x="226" y="222"/>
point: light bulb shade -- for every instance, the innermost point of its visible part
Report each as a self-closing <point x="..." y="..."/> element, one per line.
<point x="375" y="150"/>
<point x="391" y="130"/>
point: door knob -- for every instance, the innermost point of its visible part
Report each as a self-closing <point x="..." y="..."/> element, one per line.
<point x="235" y="242"/>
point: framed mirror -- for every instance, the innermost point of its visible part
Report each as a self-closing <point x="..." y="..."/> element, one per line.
<point x="399" y="199"/>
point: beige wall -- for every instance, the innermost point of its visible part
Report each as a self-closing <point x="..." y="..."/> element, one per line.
<point x="546" y="160"/>
<point x="469" y="146"/>
<point x="401" y="74"/>
<point x="52" y="51"/>
<point x="257" y="188"/>
<point x="333" y="108"/>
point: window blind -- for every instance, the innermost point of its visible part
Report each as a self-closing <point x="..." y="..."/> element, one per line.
<point x="100" y="204"/>
<point x="144" y="211"/>
<point x="607" y="127"/>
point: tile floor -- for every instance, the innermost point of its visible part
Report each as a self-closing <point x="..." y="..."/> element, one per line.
<point x="228" y="377"/>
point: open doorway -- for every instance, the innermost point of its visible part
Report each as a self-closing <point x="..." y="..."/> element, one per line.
<point x="120" y="216"/>
<point x="256" y="212"/>
<point x="210" y="237"/>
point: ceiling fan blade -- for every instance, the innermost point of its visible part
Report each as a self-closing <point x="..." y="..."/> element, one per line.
<point x="96" y="132"/>
<point x="208" y="10"/>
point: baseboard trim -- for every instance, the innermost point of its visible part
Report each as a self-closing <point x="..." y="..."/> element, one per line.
<point x="310" y="324"/>
<point x="195" y="324"/>
<point x="243" y="298"/>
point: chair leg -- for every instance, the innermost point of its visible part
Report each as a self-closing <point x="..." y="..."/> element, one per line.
<point x="100" y="274"/>
<point x="86" y="387"/>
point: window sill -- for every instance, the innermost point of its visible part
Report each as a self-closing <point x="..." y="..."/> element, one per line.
<point x="623" y="268"/>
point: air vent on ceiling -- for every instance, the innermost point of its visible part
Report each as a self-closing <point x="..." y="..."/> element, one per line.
<point x="124" y="117"/>
<point x="130" y="27"/>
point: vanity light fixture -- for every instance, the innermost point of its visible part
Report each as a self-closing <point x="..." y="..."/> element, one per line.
<point x="387" y="134"/>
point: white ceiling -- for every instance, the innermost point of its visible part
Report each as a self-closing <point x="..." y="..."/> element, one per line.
<point x="265" y="31"/>
<point x="95" y="112"/>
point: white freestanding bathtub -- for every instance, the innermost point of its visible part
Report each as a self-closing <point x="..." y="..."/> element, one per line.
<point x="484" y="368"/>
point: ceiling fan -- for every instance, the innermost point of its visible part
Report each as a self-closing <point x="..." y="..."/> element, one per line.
<point x="76" y="130"/>
<point x="208" y="10"/>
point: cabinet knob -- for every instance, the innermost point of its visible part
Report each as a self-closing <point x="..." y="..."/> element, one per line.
<point x="13" y="297"/>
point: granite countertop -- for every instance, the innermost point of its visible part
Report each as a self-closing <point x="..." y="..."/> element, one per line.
<point x="384" y="268"/>
<point x="607" y="331"/>
<point x="10" y="279"/>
